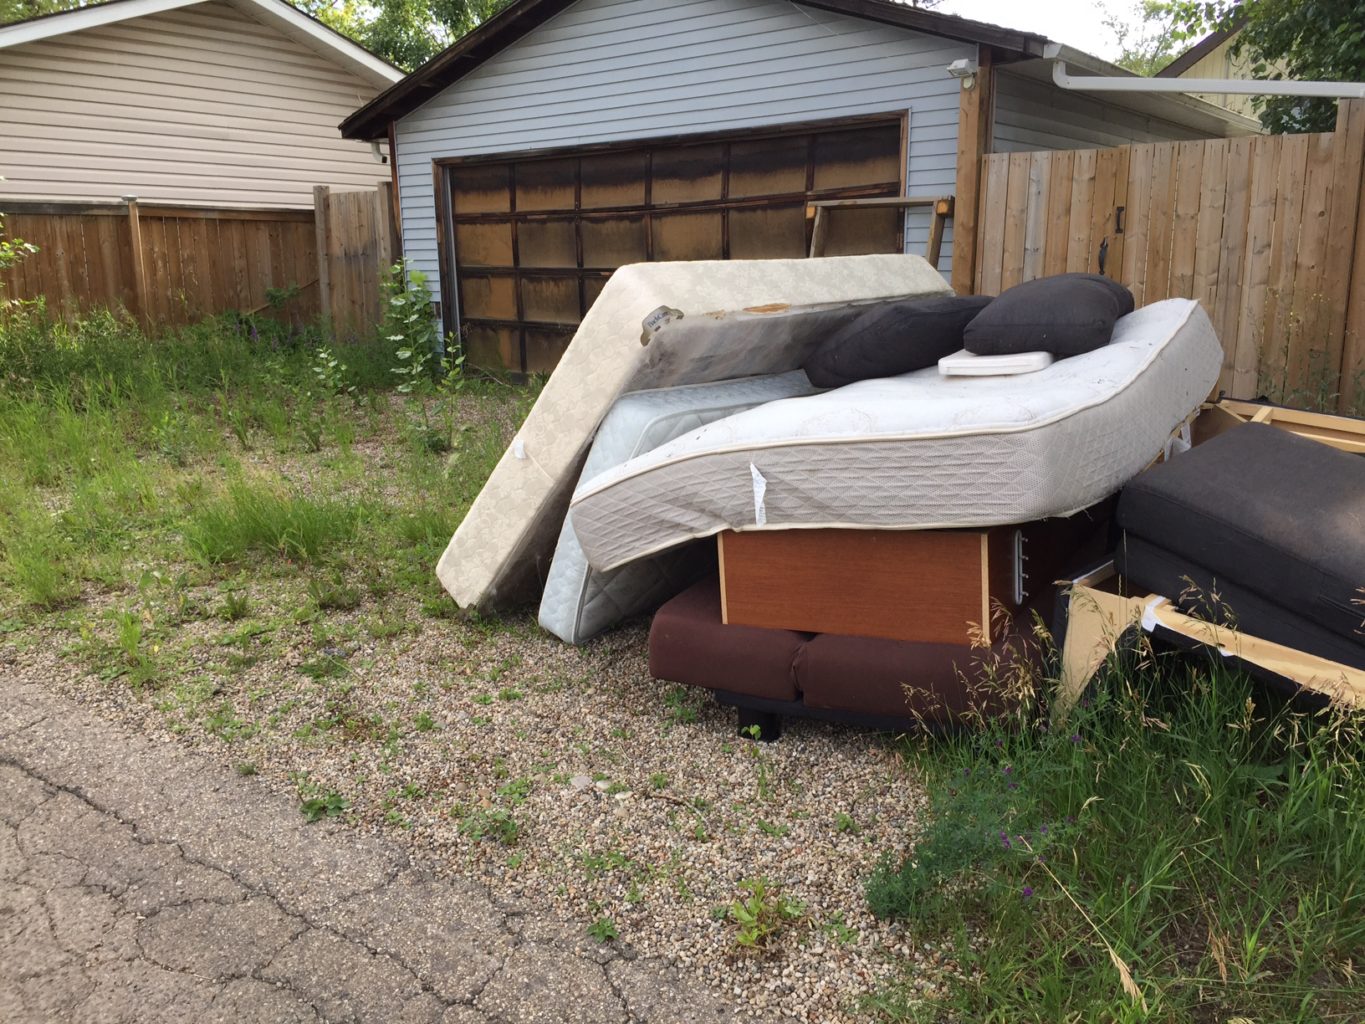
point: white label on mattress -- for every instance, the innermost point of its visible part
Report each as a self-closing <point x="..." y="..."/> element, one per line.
<point x="1149" y="619"/>
<point x="519" y="449"/>
<point x="760" y="489"/>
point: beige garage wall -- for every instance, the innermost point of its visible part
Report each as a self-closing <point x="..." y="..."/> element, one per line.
<point x="201" y="105"/>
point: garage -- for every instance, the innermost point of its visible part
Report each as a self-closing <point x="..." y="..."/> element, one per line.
<point x="532" y="239"/>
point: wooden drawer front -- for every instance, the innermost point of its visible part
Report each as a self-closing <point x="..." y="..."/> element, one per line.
<point x="931" y="586"/>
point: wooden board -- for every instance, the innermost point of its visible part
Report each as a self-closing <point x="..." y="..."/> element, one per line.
<point x="931" y="586"/>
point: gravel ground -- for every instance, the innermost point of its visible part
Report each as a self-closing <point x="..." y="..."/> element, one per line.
<point x="564" y="776"/>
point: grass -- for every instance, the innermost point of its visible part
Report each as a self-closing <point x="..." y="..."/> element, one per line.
<point x="218" y="450"/>
<point x="1182" y="848"/>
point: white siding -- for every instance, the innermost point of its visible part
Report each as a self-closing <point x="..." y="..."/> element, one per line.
<point x="200" y="105"/>
<point x="1033" y="115"/>
<point x="612" y="70"/>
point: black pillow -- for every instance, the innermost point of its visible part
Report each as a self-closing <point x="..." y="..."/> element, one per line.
<point x="1066" y="315"/>
<point x="893" y="338"/>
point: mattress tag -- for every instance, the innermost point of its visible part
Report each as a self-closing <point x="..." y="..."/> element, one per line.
<point x="652" y="323"/>
<point x="518" y="449"/>
<point x="760" y="489"/>
<point x="1149" y="619"/>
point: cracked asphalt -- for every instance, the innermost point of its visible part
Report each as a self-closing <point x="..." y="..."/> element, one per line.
<point x="141" y="883"/>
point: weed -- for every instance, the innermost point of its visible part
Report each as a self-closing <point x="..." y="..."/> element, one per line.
<point x="333" y="593"/>
<point x="491" y="823"/>
<point x="838" y="930"/>
<point x="845" y="824"/>
<point x="769" y="829"/>
<point x="235" y="607"/>
<point x="760" y="915"/>
<point x="658" y="780"/>
<point x="258" y="518"/>
<point x="681" y="704"/>
<point x="423" y="722"/>
<point x="603" y="930"/>
<point x="315" y="806"/>
<point x="246" y="768"/>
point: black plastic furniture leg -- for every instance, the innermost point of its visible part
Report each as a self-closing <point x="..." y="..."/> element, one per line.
<point x="763" y="726"/>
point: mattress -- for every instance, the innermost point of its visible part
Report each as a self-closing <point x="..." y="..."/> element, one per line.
<point x="654" y="325"/>
<point x="918" y="451"/>
<point x="578" y="602"/>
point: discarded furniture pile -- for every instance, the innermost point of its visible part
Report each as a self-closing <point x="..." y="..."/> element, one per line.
<point x="846" y="492"/>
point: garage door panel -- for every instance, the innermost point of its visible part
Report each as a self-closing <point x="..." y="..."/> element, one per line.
<point x="536" y="237"/>
<point x="689" y="236"/>
<point x="489" y="296"/>
<point x="491" y="345"/>
<point x="768" y="232"/>
<point x="858" y="232"/>
<point x="544" y="347"/>
<point x="484" y="244"/>
<point x="853" y="159"/>
<point x="550" y="299"/>
<point x="612" y="242"/>
<point x="769" y="167"/>
<point x="546" y="184"/>
<point x="592" y="287"/>
<point x="688" y="174"/>
<point x="481" y="188"/>
<point x="614" y="180"/>
<point x="548" y="243"/>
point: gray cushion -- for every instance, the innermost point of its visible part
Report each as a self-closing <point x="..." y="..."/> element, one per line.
<point x="893" y="338"/>
<point x="1067" y="315"/>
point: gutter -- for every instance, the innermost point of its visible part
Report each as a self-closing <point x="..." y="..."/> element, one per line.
<point x="1218" y="86"/>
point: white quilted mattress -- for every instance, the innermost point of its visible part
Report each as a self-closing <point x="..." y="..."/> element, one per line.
<point x="919" y="451"/>
<point x="580" y="602"/>
<point x="654" y="325"/>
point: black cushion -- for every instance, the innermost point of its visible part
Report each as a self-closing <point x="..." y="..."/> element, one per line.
<point x="1067" y="315"/>
<point x="1277" y="514"/>
<point x="893" y="338"/>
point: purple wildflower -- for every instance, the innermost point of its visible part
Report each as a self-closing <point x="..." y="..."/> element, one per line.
<point x="1075" y="737"/>
<point x="1028" y="891"/>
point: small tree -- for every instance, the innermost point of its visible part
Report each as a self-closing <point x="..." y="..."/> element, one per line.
<point x="1309" y="40"/>
<point x="12" y="250"/>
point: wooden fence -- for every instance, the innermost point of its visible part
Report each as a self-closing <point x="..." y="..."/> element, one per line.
<point x="1268" y="233"/>
<point x="165" y="265"/>
<point x="357" y="240"/>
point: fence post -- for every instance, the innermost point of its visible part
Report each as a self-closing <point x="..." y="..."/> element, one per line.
<point x="974" y="125"/>
<point x="139" y="264"/>
<point x="321" y="226"/>
<point x="1349" y="142"/>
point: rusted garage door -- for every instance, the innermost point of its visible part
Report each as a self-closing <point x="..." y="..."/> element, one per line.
<point x="535" y="239"/>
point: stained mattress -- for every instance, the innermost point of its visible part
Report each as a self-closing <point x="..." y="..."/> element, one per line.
<point x="578" y="602"/>
<point x="918" y="451"/>
<point x="654" y="325"/>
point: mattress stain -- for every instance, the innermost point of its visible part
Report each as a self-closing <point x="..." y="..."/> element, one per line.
<point x="772" y="307"/>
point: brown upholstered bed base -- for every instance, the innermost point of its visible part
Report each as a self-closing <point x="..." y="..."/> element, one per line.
<point x="770" y="673"/>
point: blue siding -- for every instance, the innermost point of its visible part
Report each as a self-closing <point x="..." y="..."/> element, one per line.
<point x="1033" y="115"/>
<point x="614" y="70"/>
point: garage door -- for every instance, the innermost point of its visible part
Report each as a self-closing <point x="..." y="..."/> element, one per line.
<point x="535" y="239"/>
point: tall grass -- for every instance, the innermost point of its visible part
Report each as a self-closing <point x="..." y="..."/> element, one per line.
<point x="1182" y="848"/>
<point x="262" y="519"/>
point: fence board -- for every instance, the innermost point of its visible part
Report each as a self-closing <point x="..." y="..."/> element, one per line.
<point x="196" y="261"/>
<point x="1265" y="232"/>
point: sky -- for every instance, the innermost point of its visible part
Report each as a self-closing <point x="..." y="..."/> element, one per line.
<point x="1079" y="23"/>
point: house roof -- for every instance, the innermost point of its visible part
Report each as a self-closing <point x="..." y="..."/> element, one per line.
<point x="278" y="13"/>
<point x="1199" y="51"/>
<point x="467" y="53"/>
